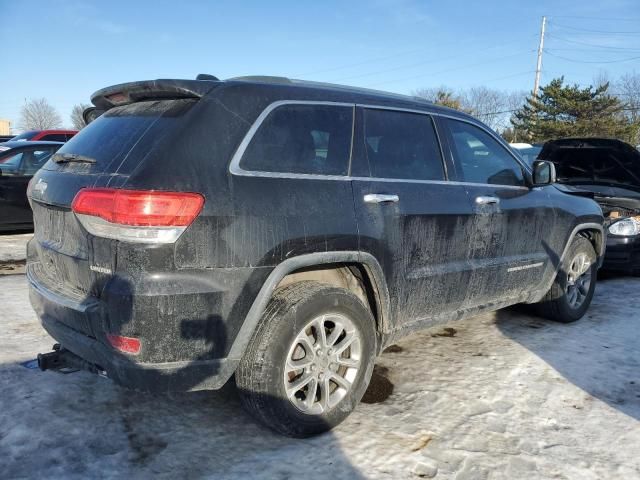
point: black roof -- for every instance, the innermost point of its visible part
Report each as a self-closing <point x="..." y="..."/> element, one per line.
<point x="176" y="88"/>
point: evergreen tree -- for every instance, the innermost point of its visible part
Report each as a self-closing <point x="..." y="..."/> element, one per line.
<point x="570" y="111"/>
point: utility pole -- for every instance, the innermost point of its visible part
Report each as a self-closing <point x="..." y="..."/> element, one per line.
<point x="536" y="84"/>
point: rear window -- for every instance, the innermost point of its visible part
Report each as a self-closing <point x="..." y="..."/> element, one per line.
<point x="55" y="137"/>
<point x="307" y="139"/>
<point x="121" y="138"/>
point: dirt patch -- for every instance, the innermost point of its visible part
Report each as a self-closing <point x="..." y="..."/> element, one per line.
<point x="143" y="447"/>
<point x="393" y="349"/>
<point x="446" y="332"/>
<point x="380" y="387"/>
<point x="12" y="267"/>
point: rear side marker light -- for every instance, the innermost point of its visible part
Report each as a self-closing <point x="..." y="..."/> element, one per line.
<point x="124" y="344"/>
<point x="136" y="215"/>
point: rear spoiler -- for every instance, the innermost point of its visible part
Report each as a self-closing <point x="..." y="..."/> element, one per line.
<point x="131" y="92"/>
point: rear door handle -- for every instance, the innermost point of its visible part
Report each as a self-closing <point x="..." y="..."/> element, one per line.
<point x="487" y="200"/>
<point x="380" y="198"/>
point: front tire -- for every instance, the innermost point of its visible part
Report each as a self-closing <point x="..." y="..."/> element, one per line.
<point x="309" y="361"/>
<point x="572" y="291"/>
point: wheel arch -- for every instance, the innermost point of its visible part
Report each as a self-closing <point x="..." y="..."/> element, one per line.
<point x="593" y="232"/>
<point x="368" y="265"/>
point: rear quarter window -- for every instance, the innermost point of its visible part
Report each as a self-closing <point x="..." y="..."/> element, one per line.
<point x="303" y="139"/>
<point x="123" y="136"/>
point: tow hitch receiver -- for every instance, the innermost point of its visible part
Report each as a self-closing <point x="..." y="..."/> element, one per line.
<point x="63" y="361"/>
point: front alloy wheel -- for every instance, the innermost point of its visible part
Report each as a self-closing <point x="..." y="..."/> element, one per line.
<point x="578" y="280"/>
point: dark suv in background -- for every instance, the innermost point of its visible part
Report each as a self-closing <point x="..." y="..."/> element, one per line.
<point x="286" y="232"/>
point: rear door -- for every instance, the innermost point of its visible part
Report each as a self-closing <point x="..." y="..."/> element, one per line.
<point x="13" y="189"/>
<point x="16" y="170"/>
<point x="513" y="223"/>
<point x="409" y="216"/>
<point x="291" y="189"/>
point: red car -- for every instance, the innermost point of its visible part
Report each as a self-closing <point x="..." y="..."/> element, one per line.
<point x="45" y="135"/>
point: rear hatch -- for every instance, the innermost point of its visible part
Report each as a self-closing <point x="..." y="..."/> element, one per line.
<point x="64" y="257"/>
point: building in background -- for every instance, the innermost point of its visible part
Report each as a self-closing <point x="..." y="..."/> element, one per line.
<point x="5" y="127"/>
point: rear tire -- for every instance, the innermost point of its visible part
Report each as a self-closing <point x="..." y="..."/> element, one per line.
<point x="299" y="339"/>
<point x="572" y="291"/>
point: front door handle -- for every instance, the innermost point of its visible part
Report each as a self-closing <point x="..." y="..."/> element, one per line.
<point x="380" y="198"/>
<point x="487" y="200"/>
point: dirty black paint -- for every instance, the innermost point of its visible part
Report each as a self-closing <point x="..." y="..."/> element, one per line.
<point x="441" y="255"/>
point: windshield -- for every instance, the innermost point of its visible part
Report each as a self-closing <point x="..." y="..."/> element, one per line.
<point x="24" y="136"/>
<point x="529" y="154"/>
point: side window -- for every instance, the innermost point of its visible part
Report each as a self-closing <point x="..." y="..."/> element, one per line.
<point x="312" y="139"/>
<point x="33" y="160"/>
<point x="481" y="158"/>
<point x="402" y="145"/>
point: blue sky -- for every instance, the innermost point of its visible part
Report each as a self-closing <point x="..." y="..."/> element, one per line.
<point x="65" y="50"/>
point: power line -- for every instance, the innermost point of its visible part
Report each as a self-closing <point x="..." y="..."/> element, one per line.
<point x="592" y="61"/>
<point x="417" y="64"/>
<point x="613" y="19"/>
<point x="588" y="30"/>
<point x="606" y="47"/>
<point x="463" y="67"/>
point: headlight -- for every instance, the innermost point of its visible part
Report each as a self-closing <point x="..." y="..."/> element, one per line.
<point x="625" y="227"/>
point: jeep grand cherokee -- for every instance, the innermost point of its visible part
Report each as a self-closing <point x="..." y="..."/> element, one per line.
<point x="286" y="232"/>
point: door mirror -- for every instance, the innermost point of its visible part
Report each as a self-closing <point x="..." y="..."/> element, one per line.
<point x="544" y="173"/>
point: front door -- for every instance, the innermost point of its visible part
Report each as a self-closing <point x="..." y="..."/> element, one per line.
<point x="510" y="244"/>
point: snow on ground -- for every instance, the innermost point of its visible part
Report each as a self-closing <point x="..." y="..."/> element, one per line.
<point x="508" y="396"/>
<point x="14" y="247"/>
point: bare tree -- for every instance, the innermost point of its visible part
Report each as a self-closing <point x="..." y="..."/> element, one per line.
<point x="493" y="107"/>
<point x="38" y="114"/>
<point x="440" y="96"/>
<point x="77" y="120"/>
<point x="627" y="88"/>
<point x="601" y="78"/>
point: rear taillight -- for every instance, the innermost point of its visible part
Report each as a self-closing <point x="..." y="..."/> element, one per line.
<point x="136" y="215"/>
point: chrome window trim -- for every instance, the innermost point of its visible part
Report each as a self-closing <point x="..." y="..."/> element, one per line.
<point x="235" y="169"/>
<point x="460" y="119"/>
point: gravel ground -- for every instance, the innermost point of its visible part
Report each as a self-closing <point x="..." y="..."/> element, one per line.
<point x="498" y="396"/>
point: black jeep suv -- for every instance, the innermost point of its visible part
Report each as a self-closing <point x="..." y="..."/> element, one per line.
<point x="286" y="232"/>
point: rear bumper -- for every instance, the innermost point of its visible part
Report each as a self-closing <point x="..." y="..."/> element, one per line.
<point x="623" y="254"/>
<point x="80" y="326"/>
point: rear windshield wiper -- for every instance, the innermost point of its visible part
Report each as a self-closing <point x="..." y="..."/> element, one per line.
<point x="72" y="157"/>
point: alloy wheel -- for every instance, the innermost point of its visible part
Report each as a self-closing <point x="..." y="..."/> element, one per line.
<point x="322" y="363"/>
